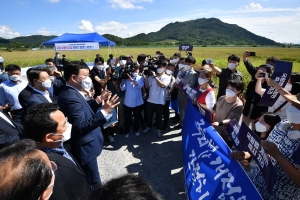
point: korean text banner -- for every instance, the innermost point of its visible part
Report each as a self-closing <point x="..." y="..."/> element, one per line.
<point x="76" y="46"/>
<point x="209" y="172"/>
<point x="281" y="74"/>
<point x="186" y="47"/>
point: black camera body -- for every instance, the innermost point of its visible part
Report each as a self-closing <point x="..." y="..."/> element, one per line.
<point x="150" y="67"/>
<point x="126" y="70"/>
<point x="113" y="77"/>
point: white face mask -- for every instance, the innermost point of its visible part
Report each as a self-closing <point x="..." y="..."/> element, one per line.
<point x="230" y="93"/>
<point x="288" y="87"/>
<point x="66" y="135"/>
<point x="159" y="70"/>
<point x="174" y="61"/>
<point x="259" y="127"/>
<point x="145" y="64"/>
<point x="47" y="84"/>
<point x="15" y="77"/>
<point x="169" y="72"/>
<point x="231" y="66"/>
<point x="52" y="78"/>
<point x="87" y="83"/>
<point x="202" y="81"/>
<point x="134" y="74"/>
<point x="293" y="115"/>
<point x="100" y="67"/>
<point x="187" y="67"/>
<point x="181" y="66"/>
<point x="123" y="62"/>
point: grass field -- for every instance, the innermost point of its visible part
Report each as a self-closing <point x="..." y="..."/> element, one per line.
<point x="218" y="54"/>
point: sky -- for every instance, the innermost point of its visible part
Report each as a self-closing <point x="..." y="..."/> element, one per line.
<point x="277" y="20"/>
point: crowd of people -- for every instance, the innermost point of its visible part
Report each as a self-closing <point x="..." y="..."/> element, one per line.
<point x="55" y="123"/>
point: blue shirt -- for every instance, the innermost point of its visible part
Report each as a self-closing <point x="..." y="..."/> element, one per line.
<point x="60" y="150"/>
<point x="133" y="94"/>
<point x="14" y="90"/>
<point x="5" y="98"/>
<point x="3" y="77"/>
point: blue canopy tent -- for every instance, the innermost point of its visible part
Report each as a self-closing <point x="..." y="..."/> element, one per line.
<point x="85" y="37"/>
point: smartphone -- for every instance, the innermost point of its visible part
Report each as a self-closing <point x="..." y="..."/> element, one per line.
<point x="264" y="75"/>
<point x="251" y="53"/>
<point x="123" y="58"/>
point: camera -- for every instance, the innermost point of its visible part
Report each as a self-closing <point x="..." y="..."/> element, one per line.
<point x="264" y="75"/>
<point x="113" y="77"/>
<point x="252" y="53"/>
<point x="123" y="57"/>
<point x="126" y="70"/>
<point x="150" y="67"/>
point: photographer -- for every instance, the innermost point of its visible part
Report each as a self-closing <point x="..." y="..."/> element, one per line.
<point x="113" y="85"/>
<point x="157" y="84"/>
<point x="98" y="75"/>
<point x="133" y="100"/>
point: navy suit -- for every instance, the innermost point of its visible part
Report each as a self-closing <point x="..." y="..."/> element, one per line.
<point x="70" y="181"/>
<point x="24" y="95"/>
<point x="86" y="136"/>
<point x="9" y="134"/>
<point x="37" y="98"/>
<point x="57" y="86"/>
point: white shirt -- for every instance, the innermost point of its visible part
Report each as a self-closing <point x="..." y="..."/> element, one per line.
<point x="156" y="93"/>
<point x="210" y="99"/>
<point x="1" y="59"/>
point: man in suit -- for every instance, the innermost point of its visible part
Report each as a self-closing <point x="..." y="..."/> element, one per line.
<point x="10" y="131"/>
<point x="26" y="92"/>
<point x="87" y="139"/>
<point x="48" y="126"/>
<point x="39" y="77"/>
<point x="58" y="81"/>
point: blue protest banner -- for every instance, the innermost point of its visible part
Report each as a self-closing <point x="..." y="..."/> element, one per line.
<point x="233" y="129"/>
<point x="174" y="106"/>
<point x="282" y="72"/>
<point x="209" y="172"/>
<point x="251" y="143"/>
<point x="186" y="47"/>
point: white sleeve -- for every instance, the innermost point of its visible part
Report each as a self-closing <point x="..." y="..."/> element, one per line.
<point x="263" y="89"/>
<point x="210" y="100"/>
<point x="166" y="80"/>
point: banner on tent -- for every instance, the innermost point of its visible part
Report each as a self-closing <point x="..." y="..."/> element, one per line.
<point x="76" y="46"/>
<point x="209" y="171"/>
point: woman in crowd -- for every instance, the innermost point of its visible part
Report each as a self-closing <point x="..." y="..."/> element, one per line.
<point x="281" y="144"/>
<point x="98" y="75"/>
<point x="265" y="124"/>
<point x="133" y="100"/>
<point x="251" y="110"/>
<point x="228" y="107"/>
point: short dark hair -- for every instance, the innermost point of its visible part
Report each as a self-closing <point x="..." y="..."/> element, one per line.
<point x="234" y="57"/>
<point x="56" y="53"/>
<point x="203" y="62"/>
<point x="271" y="119"/>
<point x="158" y="52"/>
<point x="37" y="121"/>
<point x="35" y="73"/>
<point x="267" y="67"/>
<point x="141" y="57"/>
<point x="177" y="55"/>
<point x="49" y="60"/>
<point x="272" y="59"/>
<point x="23" y="174"/>
<point x="99" y="59"/>
<point x="171" y="64"/>
<point x="237" y="84"/>
<point x="73" y="67"/>
<point x="12" y="67"/>
<point x="190" y="59"/>
<point x="111" y="56"/>
<point x="28" y="71"/>
<point x="163" y="63"/>
<point x="129" y="187"/>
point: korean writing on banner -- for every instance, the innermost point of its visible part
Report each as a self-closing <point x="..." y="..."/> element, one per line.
<point x="186" y="47"/>
<point x="209" y="172"/>
<point x="233" y="129"/>
<point x="281" y="74"/>
<point x="76" y="46"/>
<point x="251" y="143"/>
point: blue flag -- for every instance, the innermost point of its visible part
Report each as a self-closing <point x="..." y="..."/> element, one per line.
<point x="209" y="172"/>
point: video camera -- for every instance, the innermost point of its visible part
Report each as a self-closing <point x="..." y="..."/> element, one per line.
<point x="150" y="67"/>
<point x="126" y="70"/>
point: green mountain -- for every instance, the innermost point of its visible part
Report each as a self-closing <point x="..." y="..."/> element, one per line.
<point x="203" y="31"/>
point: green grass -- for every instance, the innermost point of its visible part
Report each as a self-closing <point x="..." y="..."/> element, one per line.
<point x="218" y="54"/>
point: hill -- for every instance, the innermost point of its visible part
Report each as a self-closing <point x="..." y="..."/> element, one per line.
<point x="202" y="31"/>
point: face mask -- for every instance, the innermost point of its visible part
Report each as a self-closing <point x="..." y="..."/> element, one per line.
<point x="230" y="93"/>
<point x="122" y="62"/>
<point x="187" y="67"/>
<point x="157" y="56"/>
<point x="15" y="77"/>
<point x="145" y="64"/>
<point x="87" y="83"/>
<point x="159" y="70"/>
<point x="174" y="61"/>
<point x="294" y="134"/>
<point x="169" y="72"/>
<point x="52" y="78"/>
<point x="288" y="87"/>
<point x="181" y="66"/>
<point x="202" y="81"/>
<point x="47" y="84"/>
<point x="293" y="115"/>
<point x="231" y="66"/>
<point x="259" y="127"/>
<point x="66" y="135"/>
<point x="100" y="67"/>
<point x="134" y="74"/>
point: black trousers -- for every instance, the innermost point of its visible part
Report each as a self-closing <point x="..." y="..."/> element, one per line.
<point x="128" y="113"/>
<point x="166" y="114"/>
<point x="158" y="110"/>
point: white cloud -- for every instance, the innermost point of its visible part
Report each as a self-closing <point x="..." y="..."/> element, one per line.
<point x="86" y="26"/>
<point x="254" y="6"/>
<point x="53" y="1"/>
<point x="44" y="31"/>
<point x="127" y="4"/>
<point x="7" y="33"/>
<point x="111" y="27"/>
